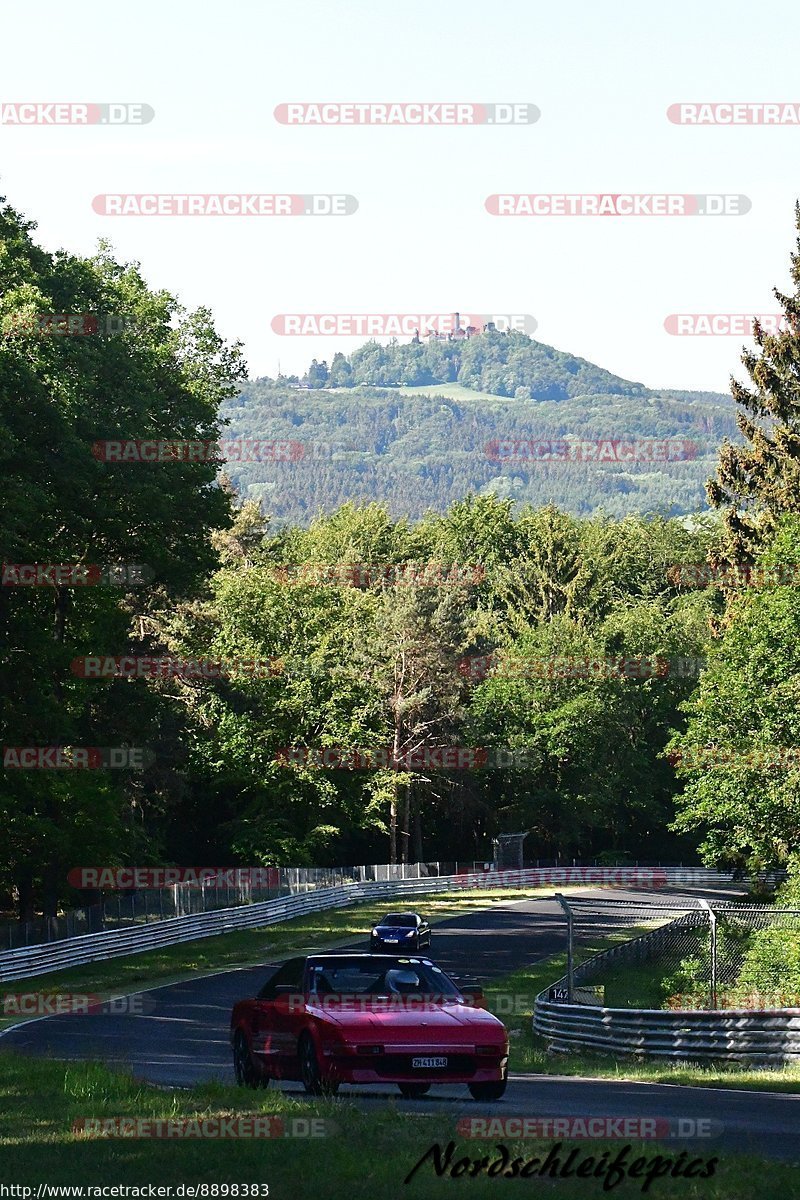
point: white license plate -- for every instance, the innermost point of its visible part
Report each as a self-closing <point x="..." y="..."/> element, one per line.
<point x="428" y="1062"/>
<point x="394" y="941"/>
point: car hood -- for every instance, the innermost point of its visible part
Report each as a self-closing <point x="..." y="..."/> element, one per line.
<point x="394" y="930"/>
<point x="391" y="1018"/>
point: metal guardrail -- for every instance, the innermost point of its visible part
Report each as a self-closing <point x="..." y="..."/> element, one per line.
<point x="97" y="947"/>
<point x="735" y="1034"/>
<point x="769" y="1036"/>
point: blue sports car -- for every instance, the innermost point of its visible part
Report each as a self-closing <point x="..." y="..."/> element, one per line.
<point x="400" y="931"/>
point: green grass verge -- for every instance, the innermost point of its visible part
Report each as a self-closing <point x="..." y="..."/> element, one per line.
<point x="367" y="1157"/>
<point x="250" y="947"/>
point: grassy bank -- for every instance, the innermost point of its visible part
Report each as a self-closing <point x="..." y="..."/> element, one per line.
<point x="366" y="1157"/>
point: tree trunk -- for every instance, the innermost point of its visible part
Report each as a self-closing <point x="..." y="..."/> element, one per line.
<point x="25" y="898"/>
<point x="393" y="802"/>
<point x="406" y="830"/>
<point x="417" y="832"/>
<point x="393" y="825"/>
<point x="50" y="889"/>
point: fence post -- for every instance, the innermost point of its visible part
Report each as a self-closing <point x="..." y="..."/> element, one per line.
<point x="712" y="924"/>
<point x="570" y="956"/>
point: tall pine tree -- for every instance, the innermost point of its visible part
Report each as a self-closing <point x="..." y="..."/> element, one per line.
<point x="756" y="483"/>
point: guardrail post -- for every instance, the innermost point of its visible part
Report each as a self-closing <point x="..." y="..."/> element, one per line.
<point x="570" y="955"/>
<point x="712" y="925"/>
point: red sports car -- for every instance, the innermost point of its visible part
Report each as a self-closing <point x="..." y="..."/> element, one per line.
<point x="361" y="1018"/>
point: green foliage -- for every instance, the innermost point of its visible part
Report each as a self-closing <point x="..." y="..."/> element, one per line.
<point x="164" y="373"/>
<point x="772" y="963"/>
<point x="376" y="665"/>
<point x="742" y="790"/>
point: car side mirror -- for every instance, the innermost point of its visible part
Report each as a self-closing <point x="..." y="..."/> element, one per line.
<point x="473" y="993"/>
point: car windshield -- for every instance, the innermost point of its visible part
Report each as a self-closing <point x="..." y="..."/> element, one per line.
<point x="400" y="920"/>
<point x="379" y="977"/>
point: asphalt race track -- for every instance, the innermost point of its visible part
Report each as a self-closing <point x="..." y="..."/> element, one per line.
<point x="183" y="1039"/>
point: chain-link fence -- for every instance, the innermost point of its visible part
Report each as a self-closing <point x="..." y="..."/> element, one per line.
<point x="680" y="954"/>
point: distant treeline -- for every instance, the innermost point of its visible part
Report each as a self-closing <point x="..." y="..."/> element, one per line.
<point x="505" y="364"/>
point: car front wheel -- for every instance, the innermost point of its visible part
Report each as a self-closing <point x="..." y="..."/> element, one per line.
<point x="310" y="1071"/>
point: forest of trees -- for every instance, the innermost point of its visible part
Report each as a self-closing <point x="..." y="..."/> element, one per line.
<point x="362" y="653"/>
<point x="503" y="363"/>
<point x="422" y="453"/>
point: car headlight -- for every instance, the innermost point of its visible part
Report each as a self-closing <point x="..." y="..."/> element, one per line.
<point x="376" y="933"/>
<point x="411" y="933"/>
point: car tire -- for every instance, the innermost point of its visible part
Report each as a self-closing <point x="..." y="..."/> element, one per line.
<point x="488" y="1091"/>
<point x="413" y="1091"/>
<point x="243" y="1066"/>
<point x="310" y="1072"/>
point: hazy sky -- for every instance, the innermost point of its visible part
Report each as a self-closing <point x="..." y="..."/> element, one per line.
<point x="603" y="76"/>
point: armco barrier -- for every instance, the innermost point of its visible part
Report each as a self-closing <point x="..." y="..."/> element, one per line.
<point x="770" y="1036"/>
<point x="737" y="1034"/>
<point x="96" y="947"/>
